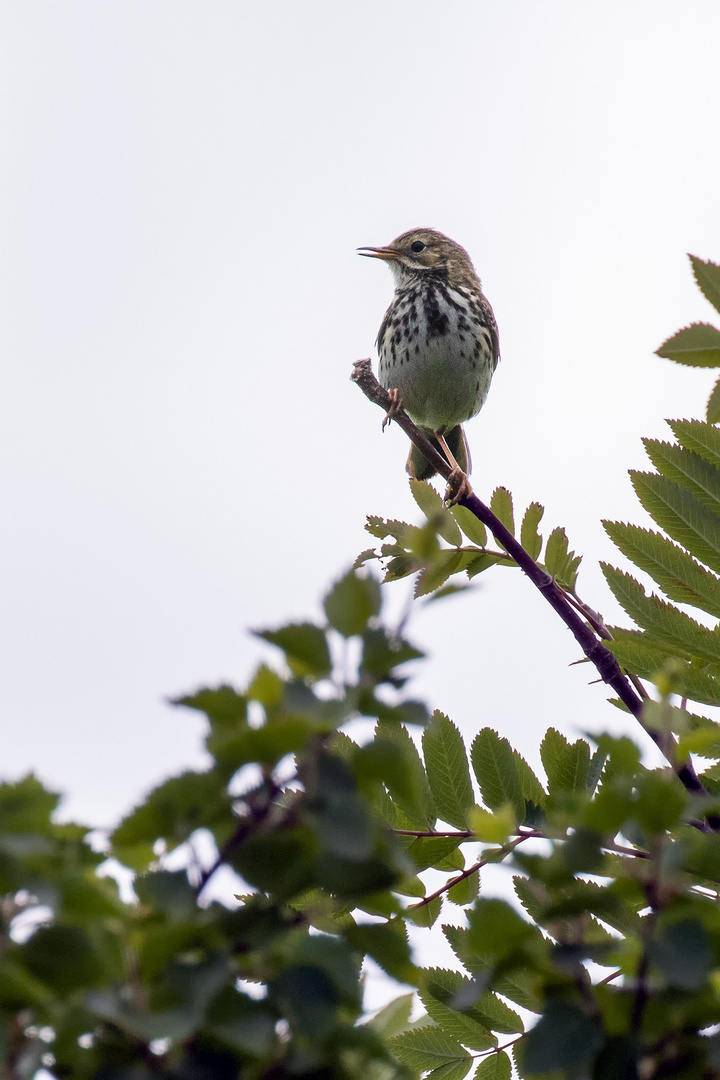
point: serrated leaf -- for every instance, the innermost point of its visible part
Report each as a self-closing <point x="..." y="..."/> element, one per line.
<point x="428" y="851"/>
<point x="681" y="515"/>
<point x="501" y="505"/>
<point x="424" y="914"/>
<point x="305" y="647"/>
<point x="387" y="944"/>
<point x="445" y="562"/>
<point x="484" y="561"/>
<point x="394" y="1017"/>
<point x="437" y="514"/>
<point x="696" y="435"/>
<point x="664" y="622"/>
<point x="680" y="576"/>
<point x="647" y="659"/>
<point x="519" y="985"/>
<point x="712" y="410"/>
<point x="492" y="827"/>
<point x="707" y="275"/>
<point x="688" y="469"/>
<point x="683" y="951"/>
<point x="566" y="764"/>
<point x="697" y="345"/>
<point x="454" y="1002"/>
<point x="470" y="525"/>
<point x="563" y="1036"/>
<point x="530" y="539"/>
<point x="494" y="1067"/>
<point x="496" y="772"/>
<point x="223" y="706"/>
<point x="418" y="803"/>
<point x="351" y="603"/>
<point x="530" y="786"/>
<point x="448" y="771"/>
<point x="561" y="563"/>
<point x="463" y="892"/>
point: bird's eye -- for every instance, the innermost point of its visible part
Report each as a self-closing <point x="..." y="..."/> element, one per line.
<point x="417" y="246"/>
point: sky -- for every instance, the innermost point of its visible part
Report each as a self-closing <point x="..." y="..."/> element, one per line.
<point x="183" y="187"/>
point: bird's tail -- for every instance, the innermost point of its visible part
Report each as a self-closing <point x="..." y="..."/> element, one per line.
<point x="420" y="468"/>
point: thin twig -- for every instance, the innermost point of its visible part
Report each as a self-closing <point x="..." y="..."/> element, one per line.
<point x="606" y="664"/>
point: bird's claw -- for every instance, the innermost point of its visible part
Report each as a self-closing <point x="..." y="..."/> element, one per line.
<point x="396" y="404"/>
<point x="458" y="487"/>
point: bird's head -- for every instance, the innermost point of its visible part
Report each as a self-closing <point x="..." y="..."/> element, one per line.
<point x="422" y="252"/>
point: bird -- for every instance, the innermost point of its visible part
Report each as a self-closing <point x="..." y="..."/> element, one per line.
<point x="438" y="345"/>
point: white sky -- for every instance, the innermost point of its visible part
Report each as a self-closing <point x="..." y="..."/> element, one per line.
<point x="183" y="186"/>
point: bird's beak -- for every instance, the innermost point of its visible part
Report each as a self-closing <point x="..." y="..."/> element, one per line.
<point x="387" y="253"/>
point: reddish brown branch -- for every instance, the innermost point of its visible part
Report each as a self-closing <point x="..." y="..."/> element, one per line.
<point x="606" y="664"/>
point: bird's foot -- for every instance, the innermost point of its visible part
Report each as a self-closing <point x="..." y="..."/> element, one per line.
<point x="396" y="403"/>
<point x="458" y="487"/>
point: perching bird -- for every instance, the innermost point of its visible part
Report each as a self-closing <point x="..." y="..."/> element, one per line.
<point x="438" y="343"/>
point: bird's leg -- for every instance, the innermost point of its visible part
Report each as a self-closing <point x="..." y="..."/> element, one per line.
<point x="396" y="403"/>
<point x="458" y="485"/>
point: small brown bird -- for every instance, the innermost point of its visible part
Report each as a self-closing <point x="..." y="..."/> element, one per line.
<point x="438" y="343"/>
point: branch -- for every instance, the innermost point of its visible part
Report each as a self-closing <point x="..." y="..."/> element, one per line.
<point x="606" y="664"/>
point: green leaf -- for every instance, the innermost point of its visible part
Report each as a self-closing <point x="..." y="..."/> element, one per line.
<point x="494" y="1067"/>
<point x="168" y="891"/>
<point x="336" y="811"/>
<point x="394" y="1018"/>
<point x="564" y="1036"/>
<point x="432" y="507"/>
<point x="661" y="801"/>
<point x="382" y="654"/>
<point x="492" y="827"/>
<point x="497" y="773"/>
<point x="176" y="809"/>
<point x="476" y="955"/>
<point x="465" y="890"/>
<point x="470" y="525"/>
<point x="696" y="435"/>
<point x="647" y="659"/>
<point x="496" y="929"/>
<point x="712" y="410"/>
<point x="64" y="958"/>
<point x="428" y="851"/>
<point x="425" y="914"/>
<point x="501" y="505"/>
<point x="665" y="623"/>
<point x="683" y="952"/>
<point x="429" y="1047"/>
<point x="707" y="275"/>
<point x="305" y="647"/>
<point x="26" y="806"/>
<point x="447" y="770"/>
<point x="688" y="469"/>
<point x="530" y="786"/>
<point x="697" y="345"/>
<point x="351" y="603"/>
<point x="680" y="576"/>
<point x="281" y="863"/>
<point x="415" y="797"/>
<point x="681" y="515"/>
<point x="267" y="687"/>
<point x="560" y="562"/>
<point x="449" y="995"/>
<point x="444" y="563"/>
<point x="387" y="944"/>
<point x="224" y="707"/>
<point x="529" y="536"/>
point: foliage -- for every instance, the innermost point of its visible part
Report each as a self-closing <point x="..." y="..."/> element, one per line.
<point x="603" y="963"/>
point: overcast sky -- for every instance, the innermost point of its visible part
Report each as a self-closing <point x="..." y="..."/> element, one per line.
<point x="182" y="455"/>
